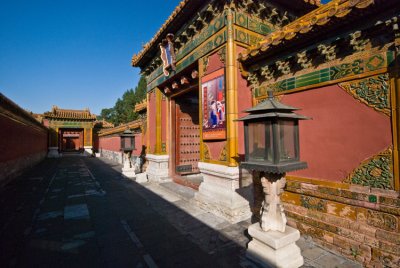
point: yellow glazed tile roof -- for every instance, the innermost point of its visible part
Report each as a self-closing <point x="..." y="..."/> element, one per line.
<point x="57" y="113"/>
<point x="141" y="106"/>
<point x="318" y="17"/>
<point x="137" y="57"/>
<point x="121" y="128"/>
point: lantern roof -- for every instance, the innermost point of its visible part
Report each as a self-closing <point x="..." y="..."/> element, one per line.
<point x="272" y="108"/>
<point x="270" y="104"/>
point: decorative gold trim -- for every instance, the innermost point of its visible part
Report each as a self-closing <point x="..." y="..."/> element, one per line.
<point x="206" y="151"/>
<point x="158" y="121"/>
<point x="231" y="92"/>
<point x="395" y="93"/>
<point x="223" y="154"/>
<point x="373" y="91"/>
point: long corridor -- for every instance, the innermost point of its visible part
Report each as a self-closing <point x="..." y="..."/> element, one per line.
<point x="80" y="212"/>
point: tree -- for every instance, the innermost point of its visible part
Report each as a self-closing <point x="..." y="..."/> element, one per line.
<point x="123" y="110"/>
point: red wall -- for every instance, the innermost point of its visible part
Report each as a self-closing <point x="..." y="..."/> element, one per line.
<point x="342" y="133"/>
<point x="152" y="112"/>
<point x="19" y="140"/>
<point x="244" y="102"/>
<point x="113" y="143"/>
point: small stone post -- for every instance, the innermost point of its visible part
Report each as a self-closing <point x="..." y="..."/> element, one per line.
<point x="128" y="170"/>
<point x="273" y="243"/>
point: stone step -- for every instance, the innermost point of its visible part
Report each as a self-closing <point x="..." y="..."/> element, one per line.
<point x="183" y="192"/>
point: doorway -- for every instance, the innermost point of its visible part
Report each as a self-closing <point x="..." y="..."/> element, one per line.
<point x="71" y="140"/>
<point x="187" y="133"/>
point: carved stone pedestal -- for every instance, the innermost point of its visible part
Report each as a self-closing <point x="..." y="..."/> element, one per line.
<point x="218" y="193"/>
<point x="157" y="169"/>
<point x="141" y="178"/>
<point x="128" y="170"/>
<point x="274" y="243"/>
<point x="273" y="248"/>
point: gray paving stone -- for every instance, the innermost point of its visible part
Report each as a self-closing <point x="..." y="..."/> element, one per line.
<point x="76" y="212"/>
<point x="313" y="253"/>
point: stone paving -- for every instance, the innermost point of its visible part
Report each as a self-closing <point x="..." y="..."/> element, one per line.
<point x="81" y="212"/>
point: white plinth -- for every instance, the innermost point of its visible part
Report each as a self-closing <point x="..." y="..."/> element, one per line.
<point x="273" y="248"/>
<point x="157" y="170"/>
<point x="129" y="172"/>
<point x="141" y="177"/>
<point x="53" y="152"/>
<point x="218" y="192"/>
<point x="88" y="151"/>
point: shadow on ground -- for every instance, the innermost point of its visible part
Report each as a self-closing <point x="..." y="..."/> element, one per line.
<point x="81" y="212"/>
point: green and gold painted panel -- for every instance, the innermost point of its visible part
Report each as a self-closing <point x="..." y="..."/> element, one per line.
<point x="217" y="40"/>
<point x="336" y="72"/>
<point x="246" y="37"/>
<point x="376" y="172"/>
<point x="70" y="124"/>
<point x="216" y="25"/>
<point x="373" y="91"/>
<point x="252" y="24"/>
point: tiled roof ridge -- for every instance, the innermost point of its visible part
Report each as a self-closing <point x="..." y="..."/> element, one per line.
<point x="304" y="24"/>
<point x="137" y="57"/>
<point x="136" y="124"/>
<point x="141" y="106"/>
<point x="146" y="47"/>
<point x="70" y="113"/>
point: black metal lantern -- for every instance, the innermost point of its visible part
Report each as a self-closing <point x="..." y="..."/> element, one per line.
<point x="127" y="141"/>
<point x="272" y="137"/>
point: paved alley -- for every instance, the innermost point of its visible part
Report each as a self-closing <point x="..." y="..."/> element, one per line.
<point x="80" y="212"/>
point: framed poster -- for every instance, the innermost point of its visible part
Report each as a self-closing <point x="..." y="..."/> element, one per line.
<point x="213" y="101"/>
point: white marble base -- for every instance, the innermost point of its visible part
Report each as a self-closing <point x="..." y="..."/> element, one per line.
<point x="273" y="248"/>
<point x="157" y="169"/>
<point x="53" y="152"/>
<point x="88" y="151"/>
<point x="129" y="172"/>
<point x="141" y="178"/>
<point x="218" y="193"/>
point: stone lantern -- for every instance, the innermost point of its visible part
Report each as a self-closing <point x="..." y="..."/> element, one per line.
<point x="127" y="146"/>
<point x="271" y="150"/>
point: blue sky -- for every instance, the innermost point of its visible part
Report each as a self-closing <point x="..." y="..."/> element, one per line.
<point x="74" y="53"/>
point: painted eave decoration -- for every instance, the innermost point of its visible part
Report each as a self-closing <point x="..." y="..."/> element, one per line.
<point x="329" y="14"/>
<point x="57" y="113"/>
<point x="180" y="9"/>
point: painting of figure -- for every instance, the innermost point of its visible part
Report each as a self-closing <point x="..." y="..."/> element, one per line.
<point x="213" y="89"/>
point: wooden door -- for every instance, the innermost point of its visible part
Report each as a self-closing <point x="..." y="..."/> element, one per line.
<point x="187" y="136"/>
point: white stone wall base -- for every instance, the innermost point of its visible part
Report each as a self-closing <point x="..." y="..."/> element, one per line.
<point x="53" y="152"/>
<point x="273" y="248"/>
<point x="218" y="193"/>
<point x="141" y="178"/>
<point x="157" y="169"/>
<point x="112" y="155"/>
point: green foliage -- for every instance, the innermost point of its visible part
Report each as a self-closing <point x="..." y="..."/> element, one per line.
<point x="123" y="110"/>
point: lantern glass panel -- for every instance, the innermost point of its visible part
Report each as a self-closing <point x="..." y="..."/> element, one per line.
<point x="127" y="142"/>
<point x="260" y="142"/>
<point x="287" y="140"/>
